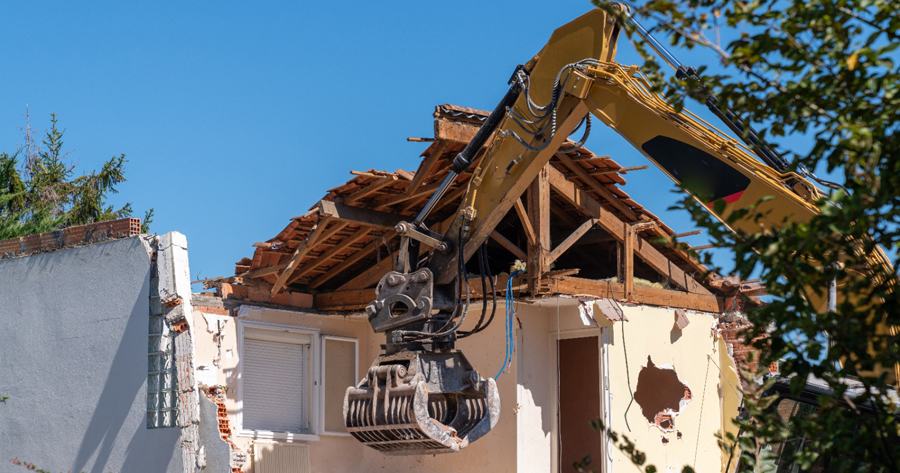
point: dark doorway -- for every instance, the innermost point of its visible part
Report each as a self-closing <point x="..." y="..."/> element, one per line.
<point x="579" y="403"/>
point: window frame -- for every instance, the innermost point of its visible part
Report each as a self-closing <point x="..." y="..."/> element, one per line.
<point x="321" y="415"/>
<point x="313" y="389"/>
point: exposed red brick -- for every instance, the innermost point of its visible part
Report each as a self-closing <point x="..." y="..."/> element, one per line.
<point x="282" y="298"/>
<point x="70" y="237"/>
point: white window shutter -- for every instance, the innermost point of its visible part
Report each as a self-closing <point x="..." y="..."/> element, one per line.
<point x="274" y="386"/>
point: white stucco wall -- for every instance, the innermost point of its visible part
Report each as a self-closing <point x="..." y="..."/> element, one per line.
<point x="73" y="361"/>
<point x="525" y="439"/>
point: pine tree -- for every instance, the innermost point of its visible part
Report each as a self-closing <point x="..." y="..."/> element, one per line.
<point x="43" y="193"/>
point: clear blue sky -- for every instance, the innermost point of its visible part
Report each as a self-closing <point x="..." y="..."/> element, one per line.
<point x="237" y="116"/>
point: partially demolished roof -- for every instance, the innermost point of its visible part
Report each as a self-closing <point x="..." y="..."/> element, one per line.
<point x="346" y="242"/>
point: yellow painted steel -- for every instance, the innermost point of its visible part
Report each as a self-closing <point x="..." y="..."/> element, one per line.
<point x="620" y="96"/>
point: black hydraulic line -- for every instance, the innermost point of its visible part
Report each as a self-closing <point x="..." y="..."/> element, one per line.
<point x="485" y="275"/>
<point x="464" y="159"/>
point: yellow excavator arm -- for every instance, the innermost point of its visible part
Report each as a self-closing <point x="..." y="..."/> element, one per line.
<point x="395" y="409"/>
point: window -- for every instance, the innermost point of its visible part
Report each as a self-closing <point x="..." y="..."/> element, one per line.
<point x="340" y="370"/>
<point x="162" y="381"/>
<point x="277" y="386"/>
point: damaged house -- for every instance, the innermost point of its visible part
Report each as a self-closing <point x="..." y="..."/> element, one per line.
<point x="108" y="356"/>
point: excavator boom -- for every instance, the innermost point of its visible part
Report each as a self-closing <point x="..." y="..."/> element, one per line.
<point x="422" y="395"/>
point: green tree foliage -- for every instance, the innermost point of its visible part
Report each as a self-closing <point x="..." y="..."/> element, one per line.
<point x="824" y="70"/>
<point x="41" y="193"/>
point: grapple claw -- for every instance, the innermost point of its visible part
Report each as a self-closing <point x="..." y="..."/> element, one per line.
<point x="413" y="403"/>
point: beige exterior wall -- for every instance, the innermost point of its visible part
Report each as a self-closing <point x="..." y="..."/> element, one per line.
<point x="525" y="438"/>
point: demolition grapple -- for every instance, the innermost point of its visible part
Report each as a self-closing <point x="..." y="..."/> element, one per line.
<point x="422" y="396"/>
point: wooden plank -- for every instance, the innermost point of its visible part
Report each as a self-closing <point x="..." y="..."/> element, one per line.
<point x="426" y="166"/>
<point x="642" y="294"/>
<point x="371" y="189"/>
<point x="351" y="260"/>
<point x="257" y="273"/>
<point x="400" y="198"/>
<point x="616" y="228"/>
<point x="510" y="246"/>
<point x="371" y="276"/>
<point x="600" y="189"/>
<point x="360" y="216"/>
<point x="618" y="171"/>
<point x="457" y="132"/>
<point x="327" y="255"/>
<point x="572" y="238"/>
<point x="687" y="234"/>
<point x="526" y="222"/>
<point x="627" y="263"/>
<point x="344" y="300"/>
<point x="538" y="197"/>
<point x="303" y="249"/>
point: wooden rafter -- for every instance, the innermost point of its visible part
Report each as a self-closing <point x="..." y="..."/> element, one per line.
<point x="371" y="189"/>
<point x="327" y="255"/>
<point x="351" y="260"/>
<point x="572" y="238"/>
<point x="616" y="227"/>
<point x="526" y="222"/>
<point x="426" y="166"/>
<point x="600" y="189"/>
<point x="315" y="234"/>
<point x="539" y="210"/>
<point x="510" y="246"/>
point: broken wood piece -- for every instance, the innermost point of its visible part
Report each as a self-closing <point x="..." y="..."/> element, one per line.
<point x="619" y="171"/>
<point x="702" y="247"/>
<point x="687" y="234"/>
<point x="419" y="140"/>
<point x="681" y="320"/>
<point x="359" y="216"/>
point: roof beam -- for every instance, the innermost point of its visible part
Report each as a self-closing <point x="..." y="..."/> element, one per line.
<point x="616" y="227"/>
<point x="359" y="216"/>
<point x="312" y="238"/>
<point x="596" y="186"/>
<point x="572" y="238"/>
<point x="510" y="246"/>
<point x="327" y="255"/>
<point x="426" y="166"/>
<point x="526" y="222"/>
